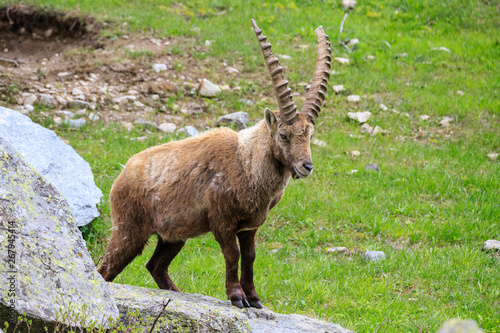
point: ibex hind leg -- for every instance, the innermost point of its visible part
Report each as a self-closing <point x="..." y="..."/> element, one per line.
<point x="164" y="253"/>
<point x="124" y="245"/>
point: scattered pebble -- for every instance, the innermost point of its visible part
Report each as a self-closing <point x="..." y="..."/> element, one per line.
<point x="383" y="107"/>
<point x="48" y="100"/>
<point x="372" y="166"/>
<point x="65" y="114"/>
<point x="139" y="104"/>
<point x="355" y="153"/>
<point x="76" y="92"/>
<point x="337" y="249"/>
<point x="30" y="100"/>
<point x="155" y="97"/>
<point x="76" y="123"/>
<point x="318" y="142"/>
<point x="29" y="108"/>
<point x="445" y="122"/>
<point x="159" y="68"/>
<point x="493" y="156"/>
<point x="190" y="130"/>
<point x="353" y="42"/>
<point x="370" y="57"/>
<point x="145" y="123"/>
<point x="374" y="256"/>
<point x="94" y="117"/>
<point x="442" y="48"/>
<point x="366" y="128"/>
<point x="425" y="117"/>
<point x="338" y="88"/>
<point x="353" y="98"/>
<point x="78" y="103"/>
<point x="246" y="101"/>
<point x="208" y="89"/>
<point x="491" y="244"/>
<point x="225" y="87"/>
<point x="232" y="70"/>
<point x="361" y="117"/>
<point x="63" y="74"/>
<point x="460" y="93"/>
<point x="343" y="61"/>
<point x="140" y="138"/>
<point x="376" y="130"/>
<point x="239" y="119"/>
<point x="460" y="326"/>
<point x="128" y="126"/>
<point x="167" y="127"/>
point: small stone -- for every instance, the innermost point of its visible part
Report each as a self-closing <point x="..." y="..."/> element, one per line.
<point x="80" y="97"/>
<point x="361" y="117"/>
<point x="30" y="100"/>
<point x="366" y="128"/>
<point x="445" y="122"/>
<point x="355" y="153"/>
<point x="76" y="123"/>
<point x="155" y="97"/>
<point x="383" y="107"/>
<point x="491" y="244"/>
<point x="65" y="114"/>
<point x="343" y="61"/>
<point x="78" y="104"/>
<point x="94" y="117"/>
<point x="425" y="117"/>
<point x="374" y="256"/>
<point x="317" y="142"/>
<point x="63" y="74"/>
<point x="372" y="166"/>
<point x="48" y="33"/>
<point x="338" y="249"/>
<point x="48" y="100"/>
<point x="232" y="70"/>
<point x="353" y="98"/>
<point x="376" y="131"/>
<point x="167" y="127"/>
<point x="338" y="88"/>
<point x="139" y="104"/>
<point x="460" y="326"/>
<point x="442" y="48"/>
<point x="29" y="108"/>
<point x="76" y="92"/>
<point x="370" y="57"/>
<point x="141" y="138"/>
<point x="208" y="89"/>
<point x="225" y="87"/>
<point x="190" y="130"/>
<point x="61" y="100"/>
<point x="239" y="119"/>
<point x="353" y="42"/>
<point x="128" y="126"/>
<point x="159" y="68"/>
<point x="493" y="156"/>
<point x="246" y="101"/>
<point x="460" y="93"/>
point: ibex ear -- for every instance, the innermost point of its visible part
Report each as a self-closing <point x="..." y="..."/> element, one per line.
<point x="271" y="120"/>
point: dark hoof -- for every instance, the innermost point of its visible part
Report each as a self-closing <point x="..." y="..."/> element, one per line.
<point x="246" y="304"/>
<point x="256" y="304"/>
<point x="238" y="304"/>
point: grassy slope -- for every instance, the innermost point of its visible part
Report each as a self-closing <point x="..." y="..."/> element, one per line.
<point x="437" y="196"/>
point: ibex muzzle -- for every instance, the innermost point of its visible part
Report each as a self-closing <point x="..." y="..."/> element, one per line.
<point x="219" y="181"/>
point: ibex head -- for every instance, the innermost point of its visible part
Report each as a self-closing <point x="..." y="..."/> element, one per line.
<point x="291" y="130"/>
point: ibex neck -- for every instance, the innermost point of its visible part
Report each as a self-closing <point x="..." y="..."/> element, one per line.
<point x="255" y="148"/>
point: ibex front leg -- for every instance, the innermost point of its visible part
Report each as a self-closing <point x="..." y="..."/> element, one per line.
<point x="247" y="246"/>
<point x="227" y="242"/>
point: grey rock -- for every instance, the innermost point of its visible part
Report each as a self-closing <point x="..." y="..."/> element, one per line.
<point x="374" y="255"/>
<point x="366" y="128"/>
<point x="372" y="166"/>
<point x="208" y="89"/>
<point x="239" y="119"/>
<point x="53" y="272"/>
<point x="159" y="68"/>
<point x="76" y="123"/>
<point x="460" y="326"/>
<point x="94" y="117"/>
<point x="65" y="114"/>
<point x="47" y="100"/>
<point x="76" y="92"/>
<point x="491" y="244"/>
<point x="76" y="103"/>
<point x="30" y="100"/>
<point x="197" y="313"/>
<point x="145" y="124"/>
<point x="361" y="117"/>
<point x="59" y="163"/>
<point x="189" y="130"/>
<point x="167" y="127"/>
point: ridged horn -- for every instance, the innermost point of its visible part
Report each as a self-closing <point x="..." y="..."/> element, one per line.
<point x="316" y="95"/>
<point x="288" y="109"/>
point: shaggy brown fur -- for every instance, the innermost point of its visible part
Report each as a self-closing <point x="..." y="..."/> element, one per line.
<point x="219" y="181"/>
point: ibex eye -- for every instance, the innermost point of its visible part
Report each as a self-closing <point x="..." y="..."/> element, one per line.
<point x="283" y="137"/>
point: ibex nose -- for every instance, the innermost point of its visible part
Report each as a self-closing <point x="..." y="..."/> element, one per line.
<point x="308" y="166"/>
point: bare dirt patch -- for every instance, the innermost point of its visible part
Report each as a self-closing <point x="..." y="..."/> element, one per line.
<point x="28" y="33"/>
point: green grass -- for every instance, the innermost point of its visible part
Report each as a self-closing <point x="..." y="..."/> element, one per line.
<point x="434" y="202"/>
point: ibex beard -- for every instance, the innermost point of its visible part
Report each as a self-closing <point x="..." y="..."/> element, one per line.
<point x="219" y="181"/>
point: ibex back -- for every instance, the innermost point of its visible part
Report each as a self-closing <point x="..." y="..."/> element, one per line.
<point x="219" y="181"/>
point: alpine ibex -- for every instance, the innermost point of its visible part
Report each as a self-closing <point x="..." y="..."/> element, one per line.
<point x="219" y="181"/>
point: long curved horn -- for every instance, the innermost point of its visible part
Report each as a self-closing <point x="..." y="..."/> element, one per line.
<point x="288" y="109"/>
<point x="316" y="95"/>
